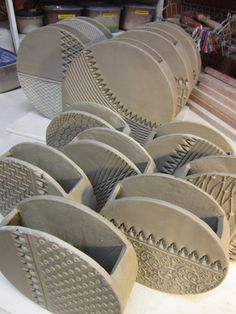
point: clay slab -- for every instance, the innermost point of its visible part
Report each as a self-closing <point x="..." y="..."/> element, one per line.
<point x="224" y="164"/>
<point x="110" y="116"/>
<point x="92" y="32"/>
<point x="20" y="180"/>
<point x="172" y="190"/>
<point x="99" y="26"/>
<point x="172" y="151"/>
<point x="41" y="71"/>
<point x="104" y="166"/>
<point x="65" y="172"/>
<point x="185" y="39"/>
<point x="174" y="55"/>
<point x="164" y="67"/>
<point x="124" y="144"/>
<point x="198" y="130"/>
<point x="69" y="124"/>
<point x="221" y="186"/>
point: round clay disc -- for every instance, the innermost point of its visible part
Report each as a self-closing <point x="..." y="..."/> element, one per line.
<point x="124" y="144"/>
<point x="167" y="72"/>
<point x="99" y="26"/>
<point x="67" y="125"/>
<point x="169" y="49"/>
<point x="92" y="32"/>
<point x="141" y="95"/>
<point x="104" y="166"/>
<point x="177" y="252"/>
<point x="172" y="151"/>
<point x="110" y="116"/>
<point x="179" y="46"/>
<point x="43" y="59"/>
<point x="198" y="130"/>
<point x="186" y="40"/>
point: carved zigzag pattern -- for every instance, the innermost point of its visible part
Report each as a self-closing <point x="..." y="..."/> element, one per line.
<point x="114" y="103"/>
<point x="189" y="149"/>
<point x="99" y="92"/>
<point x="171" y="248"/>
<point x="180" y="153"/>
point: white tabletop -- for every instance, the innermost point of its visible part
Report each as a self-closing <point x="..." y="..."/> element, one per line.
<point x="19" y="122"/>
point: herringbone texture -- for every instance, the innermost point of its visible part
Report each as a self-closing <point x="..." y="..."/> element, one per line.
<point x="18" y="182"/>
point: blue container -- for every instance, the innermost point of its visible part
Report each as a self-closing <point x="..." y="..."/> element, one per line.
<point x="8" y="76"/>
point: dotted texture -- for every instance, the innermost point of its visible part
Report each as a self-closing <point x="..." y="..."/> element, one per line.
<point x="61" y="281"/>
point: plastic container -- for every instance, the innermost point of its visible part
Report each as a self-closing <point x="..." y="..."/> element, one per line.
<point x="136" y="15"/>
<point x="6" y="41"/>
<point x="108" y="16"/>
<point x="8" y="76"/>
<point x="28" y="20"/>
<point x="55" y="13"/>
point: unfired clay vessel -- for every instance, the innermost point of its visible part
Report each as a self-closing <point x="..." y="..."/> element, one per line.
<point x="104" y="166"/>
<point x="67" y="125"/>
<point x="110" y="116"/>
<point x="172" y="151"/>
<point x="196" y="129"/>
<point x="124" y="144"/>
<point x="66" y="258"/>
<point x="217" y="176"/>
<point x="177" y="251"/>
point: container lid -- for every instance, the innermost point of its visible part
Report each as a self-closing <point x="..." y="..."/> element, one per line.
<point x="61" y="7"/>
<point x="103" y="8"/>
<point x="7" y="58"/>
<point x="29" y="13"/>
<point x="139" y="6"/>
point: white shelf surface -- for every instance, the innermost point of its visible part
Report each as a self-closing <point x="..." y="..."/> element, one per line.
<point x="19" y="122"/>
